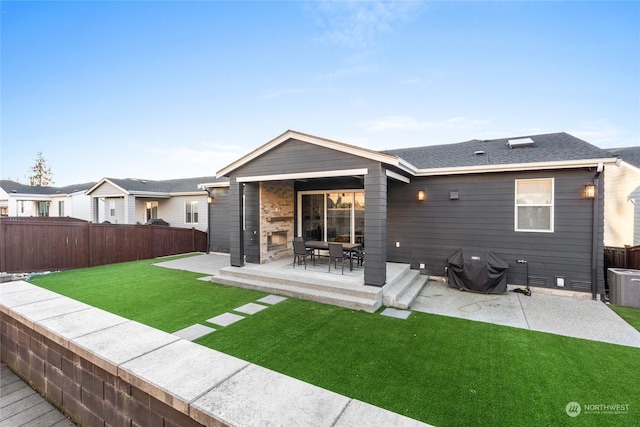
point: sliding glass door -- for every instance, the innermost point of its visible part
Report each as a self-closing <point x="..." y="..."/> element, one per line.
<point x="332" y="216"/>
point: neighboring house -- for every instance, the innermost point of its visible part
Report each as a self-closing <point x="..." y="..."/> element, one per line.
<point x="523" y="198"/>
<point x="179" y="202"/>
<point x="622" y="197"/>
<point x="22" y="200"/>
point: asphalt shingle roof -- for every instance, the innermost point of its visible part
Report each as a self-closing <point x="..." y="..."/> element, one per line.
<point x="630" y="155"/>
<point x="182" y="185"/>
<point x="17" y="187"/>
<point x="546" y="148"/>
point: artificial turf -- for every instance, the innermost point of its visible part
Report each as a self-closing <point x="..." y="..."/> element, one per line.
<point x="440" y="370"/>
<point x="630" y="314"/>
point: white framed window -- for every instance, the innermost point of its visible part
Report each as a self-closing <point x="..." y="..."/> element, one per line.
<point x="112" y="208"/>
<point x="534" y="201"/>
<point x="60" y="207"/>
<point x="151" y="210"/>
<point x="191" y="212"/>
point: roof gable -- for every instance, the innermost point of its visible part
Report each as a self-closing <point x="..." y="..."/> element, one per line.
<point x="158" y="187"/>
<point x="310" y="139"/>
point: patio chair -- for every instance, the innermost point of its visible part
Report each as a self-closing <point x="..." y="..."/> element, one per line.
<point x="300" y="252"/>
<point x="337" y="253"/>
<point x="358" y="255"/>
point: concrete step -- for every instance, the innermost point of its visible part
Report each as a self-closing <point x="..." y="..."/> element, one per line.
<point x="398" y="285"/>
<point x="403" y="291"/>
<point x="409" y="295"/>
<point x="369" y="304"/>
<point x="325" y="282"/>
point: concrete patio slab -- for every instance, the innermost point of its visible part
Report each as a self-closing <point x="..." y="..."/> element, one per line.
<point x="395" y="313"/>
<point x="578" y="318"/>
<point x="250" y="308"/>
<point x="501" y="309"/>
<point x="209" y="264"/>
<point x="120" y="343"/>
<point x="194" y="332"/>
<point x="225" y="319"/>
<point x="272" y="299"/>
<point x="257" y="396"/>
<point x="185" y="369"/>
<point x="360" y="414"/>
<point x="557" y="314"/>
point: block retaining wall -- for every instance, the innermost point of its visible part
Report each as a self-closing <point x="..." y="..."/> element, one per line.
<point x="104" y="370"/>
<point x="86" y="393"/>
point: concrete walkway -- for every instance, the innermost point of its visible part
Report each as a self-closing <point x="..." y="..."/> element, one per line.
<point x="570" y="316"/>
<point x="20" y="405"/>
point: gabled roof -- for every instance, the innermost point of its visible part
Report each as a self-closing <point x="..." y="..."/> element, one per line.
<point x="630" y="155"/>
<point x="13" y="187"/>
<point x="323" y="142"/>
<point x="164" y="187"/>
<point x="545" y="148"/>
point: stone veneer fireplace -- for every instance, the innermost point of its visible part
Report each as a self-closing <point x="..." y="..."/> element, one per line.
<point x="276" y="220"/>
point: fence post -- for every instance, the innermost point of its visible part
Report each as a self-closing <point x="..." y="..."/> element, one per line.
<point x="3" y="246"/>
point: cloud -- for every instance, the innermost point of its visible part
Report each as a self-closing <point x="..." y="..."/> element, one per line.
<point x="601" y="132"/>
<point x="357" y="24"/>
<point x="277" y="93"/>
<point x="408" y="123"/>
<point x="184" y="162"/>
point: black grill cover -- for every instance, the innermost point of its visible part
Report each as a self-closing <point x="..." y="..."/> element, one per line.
<point x="478" y="270"/>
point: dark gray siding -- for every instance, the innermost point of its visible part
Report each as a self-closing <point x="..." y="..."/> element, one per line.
<point x="236" y="234"/>
<point x="428" y="232"/>
<point x="295" y="156"/>
<point x="219" y="214"/>
<point x="252" y="222"/>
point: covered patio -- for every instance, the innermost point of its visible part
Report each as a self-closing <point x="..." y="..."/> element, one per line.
<point x="299" y="185"/>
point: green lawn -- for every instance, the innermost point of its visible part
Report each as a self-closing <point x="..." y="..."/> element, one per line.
<point x="440" y="370"/>
<point x="630" y="314"/>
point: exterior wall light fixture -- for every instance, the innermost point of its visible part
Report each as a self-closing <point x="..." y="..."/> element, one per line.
<point x="589" y="191"/>
<point x="422" y="195"/>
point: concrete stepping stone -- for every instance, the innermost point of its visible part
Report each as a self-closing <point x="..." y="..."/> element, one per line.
<point x="225" y="319"/>
<point x="272" y="299"/>
<point x="193" y="332"/>
<point x="394" y="312"/>
<point x="250" y="308"/>
<point x="206" y="278"/>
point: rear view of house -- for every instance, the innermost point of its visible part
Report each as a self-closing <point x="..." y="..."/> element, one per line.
<point x="535" y="201"/>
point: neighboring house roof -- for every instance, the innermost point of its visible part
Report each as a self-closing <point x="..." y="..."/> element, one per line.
<point x="169" y="186"/>
<point x="630" y="155"/>
<point x="546" y="148"/>
<point x="13" y="187"/>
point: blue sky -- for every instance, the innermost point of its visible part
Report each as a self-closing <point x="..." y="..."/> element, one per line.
<point x="162" y="90"/>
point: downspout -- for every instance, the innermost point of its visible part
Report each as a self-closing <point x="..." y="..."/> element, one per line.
<point x="595" y="234"/>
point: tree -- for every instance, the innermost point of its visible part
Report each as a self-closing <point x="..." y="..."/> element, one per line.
<point x="41" y="173"/>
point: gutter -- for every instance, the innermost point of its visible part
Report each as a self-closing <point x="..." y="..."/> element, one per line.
<point x="512" y="167"/>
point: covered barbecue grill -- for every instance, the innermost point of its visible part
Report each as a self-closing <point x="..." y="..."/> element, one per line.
<point x="478" y="270"/>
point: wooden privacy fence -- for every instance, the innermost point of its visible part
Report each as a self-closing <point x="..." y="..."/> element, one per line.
<point x="627" y="257"/>
<point x="45" y="244"/>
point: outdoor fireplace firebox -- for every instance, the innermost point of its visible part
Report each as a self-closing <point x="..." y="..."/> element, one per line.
<point x="276" y="240"/>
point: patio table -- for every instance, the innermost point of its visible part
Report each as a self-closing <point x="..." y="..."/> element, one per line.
<point x="318" y="245"/>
